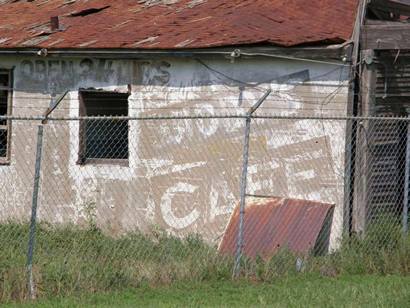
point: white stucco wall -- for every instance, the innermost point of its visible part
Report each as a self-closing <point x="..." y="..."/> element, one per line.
<point x="183" y="175"/>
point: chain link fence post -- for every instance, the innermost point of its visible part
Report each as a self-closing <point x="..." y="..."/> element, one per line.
<point x="406" y="185"/>
<point x="33" y="220"/>
<point x="240" y="241"/>
<point x="239" y="247"/>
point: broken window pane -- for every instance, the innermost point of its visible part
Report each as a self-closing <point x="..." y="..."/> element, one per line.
<point x="107" y="138"/>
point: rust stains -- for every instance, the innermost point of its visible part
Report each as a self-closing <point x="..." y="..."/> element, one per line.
<point x="176" y="23"/>
<point x="277" y="223"/>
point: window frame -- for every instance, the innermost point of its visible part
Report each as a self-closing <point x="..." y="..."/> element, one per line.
<point x="5" y="160"/>
<point x="82" y="160"/>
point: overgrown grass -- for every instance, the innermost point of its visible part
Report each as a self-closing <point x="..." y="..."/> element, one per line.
<point x="298" y="291"/>
<point x="69" y="261"/>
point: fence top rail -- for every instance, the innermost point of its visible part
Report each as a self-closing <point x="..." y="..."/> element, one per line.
<point x="199" y="117"/>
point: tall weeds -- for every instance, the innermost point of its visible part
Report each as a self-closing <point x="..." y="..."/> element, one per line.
<point x="72" y="261"/>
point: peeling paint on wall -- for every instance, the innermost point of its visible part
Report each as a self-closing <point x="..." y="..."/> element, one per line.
<point x="183" y="175"/>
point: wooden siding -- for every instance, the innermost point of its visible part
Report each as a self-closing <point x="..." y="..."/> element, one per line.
<point x="382" y="144"/>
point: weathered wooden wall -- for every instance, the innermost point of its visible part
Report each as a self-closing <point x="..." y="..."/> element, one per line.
<point x="381" y="150"/>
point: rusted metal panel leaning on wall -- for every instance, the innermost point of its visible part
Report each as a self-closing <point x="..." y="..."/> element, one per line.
<point x="272" y="224"/>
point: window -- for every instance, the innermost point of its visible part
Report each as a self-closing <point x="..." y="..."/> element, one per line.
<point x="5" y="109"/>
<point x="106" y="140"/>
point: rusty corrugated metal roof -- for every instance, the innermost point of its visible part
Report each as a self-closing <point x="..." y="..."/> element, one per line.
<point x="275" y="223"/>
<point x="174" y="24"/>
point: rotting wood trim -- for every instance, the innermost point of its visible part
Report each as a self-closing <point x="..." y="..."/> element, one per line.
<point x="386" y="26"/>
<point x="396" y="7"/>
<point x="389" y="36"/>
<point x="376" y="22"/>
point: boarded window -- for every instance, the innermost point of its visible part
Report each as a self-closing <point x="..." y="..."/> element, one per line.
<point x="103" y="140"/>
<point x="5" y="110"/>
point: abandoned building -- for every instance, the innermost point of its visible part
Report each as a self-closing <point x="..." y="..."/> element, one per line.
<point x="158" y="58"/>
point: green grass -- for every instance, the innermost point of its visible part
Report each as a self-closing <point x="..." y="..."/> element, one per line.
<point x="73" y="262"/>
<point x="302" y="291"/>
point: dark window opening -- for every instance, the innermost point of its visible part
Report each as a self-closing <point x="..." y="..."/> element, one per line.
<point x="103" y="140"/>
<point x="5" y="110"/>
<point x="3" y="143"/>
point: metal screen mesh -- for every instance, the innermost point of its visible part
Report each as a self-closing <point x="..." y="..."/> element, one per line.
<point x="122" y="201"/>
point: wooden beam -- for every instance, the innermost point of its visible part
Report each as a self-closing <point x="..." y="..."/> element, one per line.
<point x="376" y="22"/>
<point x="361" y="184"/>
<point x="389" y="36"/>
<point x="397" y="7"/>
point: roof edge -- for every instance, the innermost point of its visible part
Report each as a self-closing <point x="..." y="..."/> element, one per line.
<point x="341" y="52"/>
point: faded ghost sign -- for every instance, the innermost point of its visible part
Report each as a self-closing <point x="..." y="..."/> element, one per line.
<point x="59" y="75"/>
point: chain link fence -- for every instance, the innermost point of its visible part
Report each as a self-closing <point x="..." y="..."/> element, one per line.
<point x="96" y="203"/>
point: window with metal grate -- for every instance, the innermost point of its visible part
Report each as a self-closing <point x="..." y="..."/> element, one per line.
<point x="5" y="110"/>
<point x="103" y="140"/>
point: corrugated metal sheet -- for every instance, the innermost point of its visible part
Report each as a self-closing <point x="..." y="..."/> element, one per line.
<point x="275" y="223"/>
<point x="171" y="24"/>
